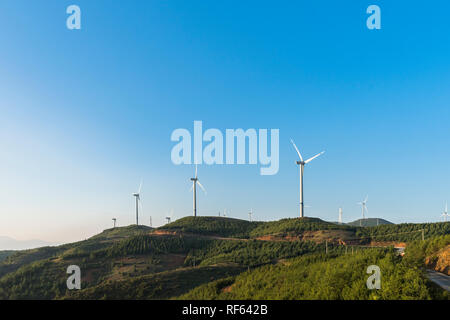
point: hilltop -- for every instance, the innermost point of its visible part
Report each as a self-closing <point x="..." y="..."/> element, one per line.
<point x="212" y="226"/>
<point x="369" y="222"/>
<point x="305" y="229"/>
<point x="122" y="232"/>
<point x="7" y="243"/>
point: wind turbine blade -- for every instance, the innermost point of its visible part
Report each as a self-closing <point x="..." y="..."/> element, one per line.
<point x="311" y="159"/>
<point x="296" y="149"/>
<point x="367" y="198"/>
<point x="200" y="185"/>
<point x="192" y="188"/>
<point x="196" y="171"/>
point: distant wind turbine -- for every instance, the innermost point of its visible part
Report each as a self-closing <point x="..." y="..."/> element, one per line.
<point x="169" y="217"/>
<point x="195" y="181"/>
<point x="445" y="213"/>
<point x="340" y="215"/>
<point x="137" y="195"/>
<point x="302" y="163"/>
<point x="250" y="214"/>
<point x="114" y="220"/>
<point x="306" y="206"/>
<point x="364" y="209"/>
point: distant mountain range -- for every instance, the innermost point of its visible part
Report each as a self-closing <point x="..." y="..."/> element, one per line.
<point x="369" y="222"/>
<point x="7" y="243"/>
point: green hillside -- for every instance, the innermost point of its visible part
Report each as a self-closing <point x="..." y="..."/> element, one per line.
<point x="404" y="231"/>
<point x="326" y="277"/>
<point x="218" y="257"/>
<point x="5" y="254"/>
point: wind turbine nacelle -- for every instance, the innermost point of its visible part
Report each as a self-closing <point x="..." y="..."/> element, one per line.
<point x="136" y="194"/>
<point x="194" y="179"/>
<point x="299" y="162"/>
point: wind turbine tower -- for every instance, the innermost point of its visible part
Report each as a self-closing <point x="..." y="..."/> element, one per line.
<point x="340" y="215"/>
<point x="137" y="195"/>
<point x="195" y="181"/>
<point x="114" y="220"/>
<point x="445" y="213"/>
<point x="250" y="215"/>
<point x="364" y="209"/>
<point x="302" y="164"/>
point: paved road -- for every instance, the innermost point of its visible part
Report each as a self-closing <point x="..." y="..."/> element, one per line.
<point x="440" y="279"/>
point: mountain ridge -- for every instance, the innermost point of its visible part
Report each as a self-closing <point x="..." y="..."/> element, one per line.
<point x="8" y="243"/>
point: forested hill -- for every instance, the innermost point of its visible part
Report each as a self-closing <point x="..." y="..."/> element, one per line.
<point x="192" y="256"/>
<point x="369" y="222"/>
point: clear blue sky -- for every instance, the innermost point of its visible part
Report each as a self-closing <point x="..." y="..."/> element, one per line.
<point x="86" y="114"/>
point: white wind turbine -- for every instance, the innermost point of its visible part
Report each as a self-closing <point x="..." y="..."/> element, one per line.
<point x="445" y="213"/>
<point x="114" y="219"/>
<point x="302" y="163"/>
<point x="364" y="209"/>
<point x="137" y="195"/>
<point x="195" y="181"/>
<point x="250" y="214"/>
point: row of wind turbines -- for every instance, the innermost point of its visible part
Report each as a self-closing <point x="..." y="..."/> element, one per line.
<point x="301" y="163"/>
